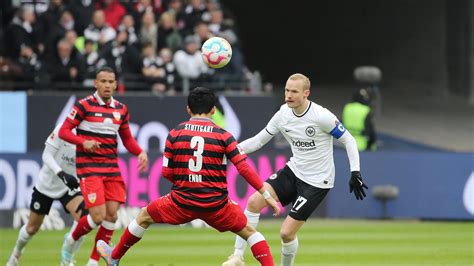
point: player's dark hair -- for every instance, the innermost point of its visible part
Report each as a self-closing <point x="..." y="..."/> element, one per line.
<point x="201" y="100"/>
<point x="105" y="69"/>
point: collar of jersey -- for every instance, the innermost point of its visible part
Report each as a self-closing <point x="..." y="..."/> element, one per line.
<point x="200" y="119"/>
<point x="101" y="102"/>
<point x="305" y="111"/>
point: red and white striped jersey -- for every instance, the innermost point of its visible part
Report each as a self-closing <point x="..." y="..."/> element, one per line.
<point x="100" y="121"/>
<point x="197" y="152"/>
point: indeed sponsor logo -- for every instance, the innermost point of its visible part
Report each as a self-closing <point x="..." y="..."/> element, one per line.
<point x="303" y="144"/>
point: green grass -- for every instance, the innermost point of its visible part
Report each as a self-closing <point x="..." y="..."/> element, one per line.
<point x="322" y="242"/>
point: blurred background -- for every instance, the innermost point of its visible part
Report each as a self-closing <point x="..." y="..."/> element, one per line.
<point x="408" y="64"/>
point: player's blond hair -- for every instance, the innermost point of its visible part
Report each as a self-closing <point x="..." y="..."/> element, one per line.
<point x="306" y="82"/>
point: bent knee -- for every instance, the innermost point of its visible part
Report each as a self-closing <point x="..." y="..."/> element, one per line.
<point x="250" y="229"/>
<point x="256" y="203"/>
<point x="32" y="229"/>
<point x="111" y="217"/>
<point x="287" y="236"/>
<point x="97" y="217"/>
<point x="144" y="218"/>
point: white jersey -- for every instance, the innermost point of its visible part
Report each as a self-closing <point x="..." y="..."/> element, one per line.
<point x="48" y="182"/>
<point x="311" y="138"/>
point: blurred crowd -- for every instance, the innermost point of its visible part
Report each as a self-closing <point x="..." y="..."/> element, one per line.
<point x="152" y="44"/>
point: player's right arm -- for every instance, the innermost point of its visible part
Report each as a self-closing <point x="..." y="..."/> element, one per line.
<point x="51" y="148"/>
<point x="263" y="137"/>
<point x="72" y="121"/>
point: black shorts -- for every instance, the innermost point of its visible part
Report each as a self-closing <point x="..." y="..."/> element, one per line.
<point x="41" y="204"/>
<point x="305" y="198"/>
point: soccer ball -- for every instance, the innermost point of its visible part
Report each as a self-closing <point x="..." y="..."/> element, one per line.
<point x="216" y="52"/>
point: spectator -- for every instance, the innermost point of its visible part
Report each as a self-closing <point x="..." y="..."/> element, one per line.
<point x="358" y="120"/>
<point x="71" y="37"/>
<point x="98" y="31"/>
<point x="29" y="64"/>
<point x="51" y="15"/>
<point x="128" y="25"/>
<point x="20" y="31"/>
<point x="215" y="25"/>
<point x="171" y="75"/>
<point x="168" y="35"/>
<point x="189" y="61"/>
<point x="194" y="12"/>
<point x="175" y="7"/>
<point x="149" y="30"/>
<point x="113" y="12"/>
<point x="153" y="68"/>
<point x="82" y="12"/>
<point x="58" y="31"/>
<point x="92" y="59"/>
<point x="145" y="6"/>
<point x="202" y="33"/>
<point x="65" y="67"/>
<point x="123" y="58"/>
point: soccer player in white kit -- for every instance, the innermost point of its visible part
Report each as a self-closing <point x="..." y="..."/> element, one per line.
<point x="56" y="181"/>
<point x="309" y="174"/>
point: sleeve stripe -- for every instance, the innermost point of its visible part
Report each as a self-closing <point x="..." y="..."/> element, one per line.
<point x="80" y="107"/>
<point x="269" y="132"/>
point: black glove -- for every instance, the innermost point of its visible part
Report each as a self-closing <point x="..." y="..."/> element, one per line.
<point x="356" y="185"/>
<point x="70" y="180"/>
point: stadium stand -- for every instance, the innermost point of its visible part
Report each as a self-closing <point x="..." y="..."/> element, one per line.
<point x="58" y="44"/>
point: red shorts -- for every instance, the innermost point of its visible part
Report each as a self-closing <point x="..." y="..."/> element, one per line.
<point x="98" y="190"/>
<point x="229" y="218"/>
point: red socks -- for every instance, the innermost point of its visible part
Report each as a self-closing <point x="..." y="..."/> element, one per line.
<point x="126" y="241"/>
<point x="261" y="251"/>
<point x="102" y="234"/>
<point x="84" y="226"/>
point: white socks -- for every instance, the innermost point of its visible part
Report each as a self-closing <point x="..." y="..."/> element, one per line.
<point x="23" y="239"/>
<point x="288" y="252"/>
<point x="108" y="225"/>
<point x="255" y="238"/>
<point x="136" y="229"/>
<point x="92" y="262"/>
<point x="240" y="243"/>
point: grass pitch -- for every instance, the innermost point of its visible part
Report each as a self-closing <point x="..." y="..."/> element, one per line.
<point x="322" y="242"/>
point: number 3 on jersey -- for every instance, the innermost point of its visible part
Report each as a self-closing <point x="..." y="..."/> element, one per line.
<point x="196" y="165"/>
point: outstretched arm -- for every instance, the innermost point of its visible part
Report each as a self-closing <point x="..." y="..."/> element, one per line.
<point x="256" y="142"/>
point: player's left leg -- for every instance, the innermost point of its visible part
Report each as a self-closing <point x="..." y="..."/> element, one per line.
<point x="231" y="218"/>
<point x="305" y="203"/>
<point x="105" y="231"/>
<point x="258" y="245"/>
<point x="115" y="194"/>
<point x="289" y="240"/>
<point x="39" y="207"/>
<point x="26" y="233"/>
<point x="134" y="233"/>
<point x="73" y="203"/>
<point x="162" y="210"/>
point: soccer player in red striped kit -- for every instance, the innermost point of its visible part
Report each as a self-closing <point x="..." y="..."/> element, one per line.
<point x="98" y="118"/>
<point x="194" y="160"/>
